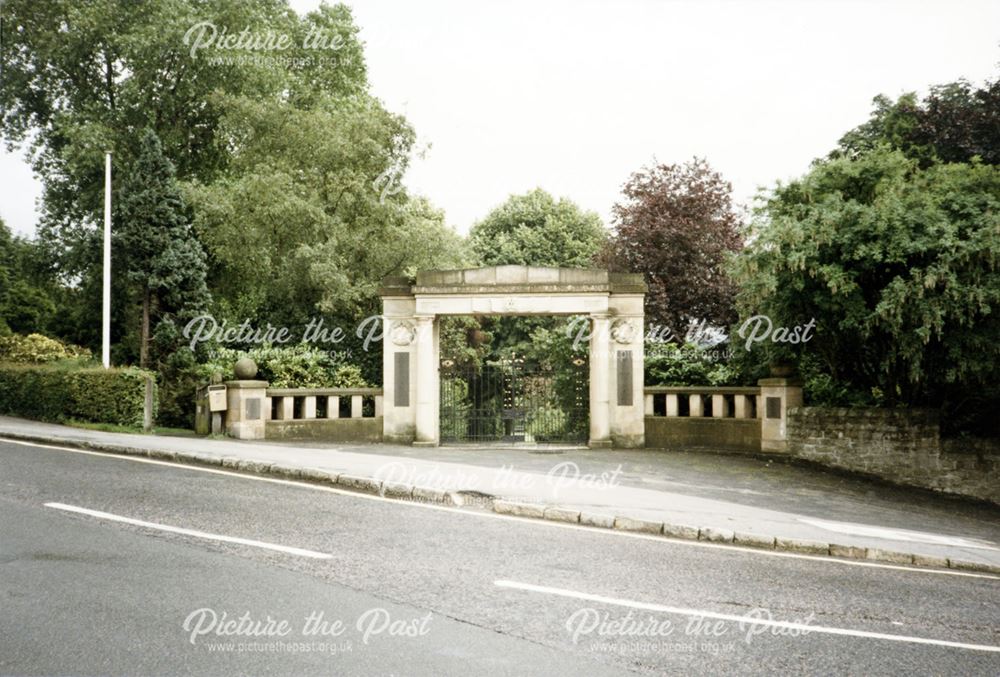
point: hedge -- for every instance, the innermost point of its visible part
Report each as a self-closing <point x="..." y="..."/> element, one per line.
<point x="93" y="394"/>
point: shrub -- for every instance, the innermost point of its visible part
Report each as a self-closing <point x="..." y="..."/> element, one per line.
<point x="101" y="396"/>
<point x="37" y="349"/>
<point x="296" y="366"/>
<point x="669" y="364"/>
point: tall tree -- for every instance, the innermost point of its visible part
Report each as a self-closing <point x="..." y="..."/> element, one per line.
<point x="898" y="266"/>
<point x="26" y="304"/>
<point x="80" y="78"/>
<point x="677" y="225"/>
<point x="310" y="215"/>
<point x="955" y="122"/>
<point x="536" y="229"/>
<point x="163" y="261"/>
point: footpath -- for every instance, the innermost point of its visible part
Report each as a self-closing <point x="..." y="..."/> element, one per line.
<point x="737" y="500"/>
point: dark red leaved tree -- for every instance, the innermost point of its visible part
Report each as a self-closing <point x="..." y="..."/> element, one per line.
<point x="676" y="225"/>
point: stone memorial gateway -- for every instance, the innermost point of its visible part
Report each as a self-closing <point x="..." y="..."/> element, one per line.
<point x="412" y="310"/>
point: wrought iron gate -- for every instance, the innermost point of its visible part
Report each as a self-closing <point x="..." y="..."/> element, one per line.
<point x="509" y="401"/>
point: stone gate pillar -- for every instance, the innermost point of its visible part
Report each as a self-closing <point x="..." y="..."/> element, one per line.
<point x="399" y="359"/>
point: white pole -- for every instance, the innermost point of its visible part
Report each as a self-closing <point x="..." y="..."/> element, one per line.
<point x="106" y="327"/>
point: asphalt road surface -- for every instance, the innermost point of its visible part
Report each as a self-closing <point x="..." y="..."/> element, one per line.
<point x="112" y="565"/>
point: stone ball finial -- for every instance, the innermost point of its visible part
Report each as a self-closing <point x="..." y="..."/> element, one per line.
<point x="245" y="369"/>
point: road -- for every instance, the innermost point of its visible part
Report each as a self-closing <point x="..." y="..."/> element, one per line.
<point x="116" y="565"/>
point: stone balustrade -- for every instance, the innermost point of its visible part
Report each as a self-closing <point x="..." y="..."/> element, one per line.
<point x="334" y="414"/>
<point x="256" y="411"/>
<point x="699" y="402"/>
<point x="307" y="404"/>
<point x="747" y="419"/>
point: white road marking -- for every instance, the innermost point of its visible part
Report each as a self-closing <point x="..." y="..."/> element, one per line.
<point x="190" y="532"/>
<point x="898" y="534"/>
<point x="546" y="524"/>
<point x="786" y="625"/>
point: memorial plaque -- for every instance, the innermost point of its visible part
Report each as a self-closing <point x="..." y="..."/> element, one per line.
<point x="253" y="409"/>
<point x="624" y="378"/>
<point x="401" y="376"/>
<point x="773" y="407"/>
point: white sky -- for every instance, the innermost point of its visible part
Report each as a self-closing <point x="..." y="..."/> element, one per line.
<point x="574" y="95"/>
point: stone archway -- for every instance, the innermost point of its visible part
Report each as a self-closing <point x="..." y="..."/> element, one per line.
<point x="411" y="340"/>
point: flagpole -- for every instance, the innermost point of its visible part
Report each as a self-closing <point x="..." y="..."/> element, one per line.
<point x="106" y="324"/>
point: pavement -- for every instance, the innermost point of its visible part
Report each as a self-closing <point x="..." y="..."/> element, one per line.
<point x="122" y="564"/>
<point x="740" y="500"/>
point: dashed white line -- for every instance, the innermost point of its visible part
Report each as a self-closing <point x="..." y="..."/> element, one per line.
<point x="801" y="628"/>
<point x="190" y="532"/>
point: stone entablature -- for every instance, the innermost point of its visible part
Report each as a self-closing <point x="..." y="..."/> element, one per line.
<point x="411" y="340"/>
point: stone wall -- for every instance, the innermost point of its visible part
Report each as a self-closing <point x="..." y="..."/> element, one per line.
<point x="900" y="445"/>
<point x="712" y="434"/>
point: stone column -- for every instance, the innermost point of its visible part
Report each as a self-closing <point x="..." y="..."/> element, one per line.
<point x="245" y="409"/>
<point x="777" y="396"/>
<point x="600" y="359"/>
<point x="427" y="382"/>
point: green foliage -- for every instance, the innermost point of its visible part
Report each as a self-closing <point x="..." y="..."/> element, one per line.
<point x="899" y="265"/>
<point x="536" y="229"/>
<point x="36" y="348"/>
<point x="295" y="366"/>
<point x="94" y="394"/>
<point x="162" y="260"/>
<point x="955" y="122"/>
<point x="26" y="304"/>
<point x="670" y="364"/>
<point x="300" y="222"/>
<point x="677" y="225"/>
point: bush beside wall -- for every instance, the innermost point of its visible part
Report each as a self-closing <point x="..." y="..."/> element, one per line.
<point x="114" y="396"/>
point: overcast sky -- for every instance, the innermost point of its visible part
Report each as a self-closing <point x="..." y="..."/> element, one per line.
<point x="574" y="95"/>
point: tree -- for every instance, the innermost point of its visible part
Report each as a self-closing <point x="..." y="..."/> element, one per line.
<point x="26" y="304"/>
<point x="82" y="78"/>
<point x="955" y="122"/>
<point x="677" y="224"/>
<point x="163" y="260"/>
<point x="538" y="230"/>
<point x="898" y="265"/>
<point x="300" y="223"/>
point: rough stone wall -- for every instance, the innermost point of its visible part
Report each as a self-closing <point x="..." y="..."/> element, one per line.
<point x="900" y="445"/>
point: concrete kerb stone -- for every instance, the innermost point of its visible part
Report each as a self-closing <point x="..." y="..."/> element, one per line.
<point x="397" y="490"/>
<point x="366" y="485"/>
<point x="973" y="566"/>
<point x="802" y="545"/>
<point x="681" y="531"/>
<point x="258" y="467"/>
<point x="317" y="475"/>
<point x="929" y="561"/>
<point x="562" y="515"/>
<point x="592" y="519"/>
<point x="848" y="551"/>
<point x="430" y="495"/>
<point x="640" y="525"/>
<point x="752" y="540"/>
<point x="286" y="471"/>
<point x="890" y="556"/>
<point x="715" y="535"/>
<point x="520" y="509"/>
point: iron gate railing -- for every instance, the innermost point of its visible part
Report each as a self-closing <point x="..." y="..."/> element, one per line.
<point x="510" y="401"/>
